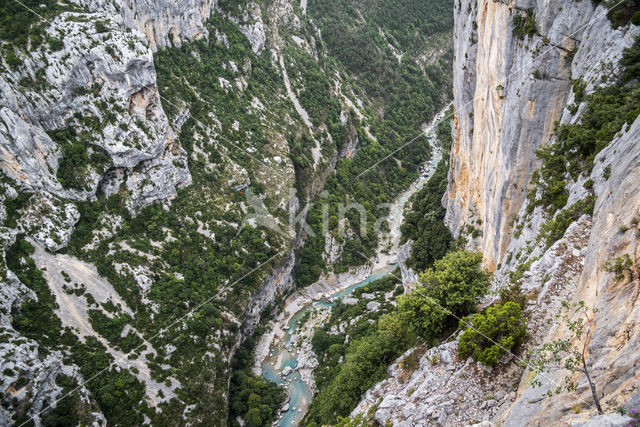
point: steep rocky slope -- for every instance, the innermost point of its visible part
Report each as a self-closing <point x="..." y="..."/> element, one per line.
<point x="158" y="159"/>
<point x="523" y="75"/>
<point x="523" y="86"/>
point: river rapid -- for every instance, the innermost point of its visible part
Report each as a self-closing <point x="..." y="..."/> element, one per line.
<point x="284" y="355"/>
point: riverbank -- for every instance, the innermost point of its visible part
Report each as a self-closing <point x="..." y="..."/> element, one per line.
<point x="324" y="288"/>
<point x="284" y="353"/>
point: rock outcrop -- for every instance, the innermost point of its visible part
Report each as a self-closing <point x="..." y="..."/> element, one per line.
<point x="511" y="87"/>
<point x="107" y="94"/>
<point x="508" y="94"/>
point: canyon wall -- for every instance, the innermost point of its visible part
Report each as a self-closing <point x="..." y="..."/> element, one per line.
<point x="512" y="84"/>
<point x="510" y="90"/>
<point x="508" y="94"/>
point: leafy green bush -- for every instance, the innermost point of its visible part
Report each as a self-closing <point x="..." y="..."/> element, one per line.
<point x="55" y="43"/>
<point x="423" y="313"/>
<point x="620" y="12"/>
<point x="101" y="27"/>
<point x="631" y="60"/>
<point x="525" y="25"/>
<point x="74" y="164"/>
<point x="579" y="86"/>
<point x="451" y="289"/>
<point x="619" y="266"/>
<point x="487" y="336"/>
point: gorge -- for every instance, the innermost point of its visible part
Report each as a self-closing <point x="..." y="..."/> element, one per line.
<point x="194" y="197"/>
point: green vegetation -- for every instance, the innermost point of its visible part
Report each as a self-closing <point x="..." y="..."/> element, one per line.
<point x="446" y="292"/>
<point x="621" y="12"/>
<point x="117" y="393"/>
<point x="449" y="290"/>
<point x="488" y="335"/>
<point x="71" y="410"/>
<point x="352" y="33"/>
<point x="14" y="206"/>
<point x="375" y="340"/>
<point x="525" y="25"/>
<point x="253" y="399"/>
<point x="365" y="363"/>
<point x="607" y="111"/>
<point x="619" y="266"/>
<point x="424" y="220"/>
<point x="75" y="162"/>
<point x="34" y="318"/>
<point x="20" y="26"/>
<point x="111" y="328"/>
<point x="554" y="228"/>
<point x="631" y="61"/>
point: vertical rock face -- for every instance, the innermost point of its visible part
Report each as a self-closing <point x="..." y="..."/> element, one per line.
<point x="510" y="87"/>
<point x="165" y="23"/>
<point x="509" y="91"/>
<point x="106" y="92"/>
<point x="511" y="84"/>
<point x="168" y="23"/>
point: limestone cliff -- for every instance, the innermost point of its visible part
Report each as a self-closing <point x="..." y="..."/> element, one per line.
<point x="511" y="85"/>
<point x="508" y="94"/>
<point x="510" y="90"/>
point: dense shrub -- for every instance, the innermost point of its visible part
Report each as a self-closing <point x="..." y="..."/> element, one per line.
<point x="375" y="338"/>
<point x="488" y="336"/>
<point x="20" y="26"/>
<point x="620" y="12"/>
<point x="365" y="363"/>
<point x="423" y="313"/>
<point x="253" y="399"/>
<point x="451" y="289"/>
<point x="619" y="266"/>
<point x="75" y="160"/>
<point x="631" y="60"/>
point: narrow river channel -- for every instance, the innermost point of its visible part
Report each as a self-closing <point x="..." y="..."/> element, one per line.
<point x="280" y="363"/>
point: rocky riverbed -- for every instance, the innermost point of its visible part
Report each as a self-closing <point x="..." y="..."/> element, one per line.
<point x="284" y="353"/>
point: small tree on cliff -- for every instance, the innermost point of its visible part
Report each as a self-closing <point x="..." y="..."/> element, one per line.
<point x="568" y="353"/>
